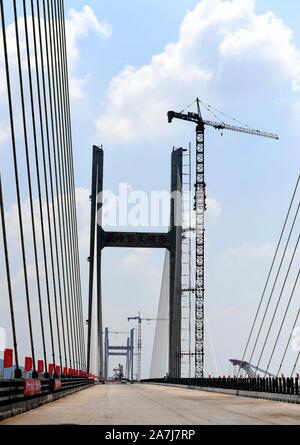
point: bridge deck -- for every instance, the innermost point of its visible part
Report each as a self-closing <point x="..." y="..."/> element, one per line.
<point x="154" y="405"/>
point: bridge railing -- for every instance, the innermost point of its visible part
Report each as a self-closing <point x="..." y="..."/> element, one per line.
<point x="21" y="390"/>
<point x="280" y="385"/>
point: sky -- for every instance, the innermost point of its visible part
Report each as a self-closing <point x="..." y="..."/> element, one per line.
<point x="132" y="61"/>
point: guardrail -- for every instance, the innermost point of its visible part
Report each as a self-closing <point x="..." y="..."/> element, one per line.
<point x="13" y="392"/>
<point x="280" y="385"/>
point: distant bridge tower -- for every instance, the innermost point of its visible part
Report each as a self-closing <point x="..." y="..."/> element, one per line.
<point x="119" y="351"/>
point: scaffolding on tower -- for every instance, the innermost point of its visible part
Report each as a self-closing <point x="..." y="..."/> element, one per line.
<point x="188" y="300"/>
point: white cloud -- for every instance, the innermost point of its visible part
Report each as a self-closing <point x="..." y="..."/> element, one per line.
<point x="12" y="48"/>
<point x="214" y="210"/>
<point x="4" y="133"/>
<point x="224" y="49"/>
<point x="77" y="86"/>
<point x="250" y="250"/>
<point x="139" y="260"/>
<point x="83" y="216"/>
<point x="212" y="215"/>
<point x="2" y="339"/>
<point x="78" y="25"/>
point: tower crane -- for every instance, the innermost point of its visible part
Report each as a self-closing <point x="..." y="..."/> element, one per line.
<point x="200" y="205"/>
<point x="139" y="340"/>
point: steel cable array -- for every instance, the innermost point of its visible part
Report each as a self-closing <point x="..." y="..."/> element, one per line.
<point x="42" y="158"/>
<point x="273" y="312"/>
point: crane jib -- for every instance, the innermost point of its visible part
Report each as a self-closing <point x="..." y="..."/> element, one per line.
<point x="251" y="131"/>
<point x="194" y="117"/>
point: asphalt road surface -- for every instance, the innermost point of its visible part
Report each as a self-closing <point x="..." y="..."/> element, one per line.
<point x="157" y="405"/>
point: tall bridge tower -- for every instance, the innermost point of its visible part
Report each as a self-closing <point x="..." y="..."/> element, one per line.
<point x="101" y="239"/>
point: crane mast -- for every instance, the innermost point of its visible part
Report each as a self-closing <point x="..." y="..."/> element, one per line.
<point x="200" y="240"/>
<point x="139" y="319"/>
<point x="139" y="344"/>
<point x="200" y="207"/>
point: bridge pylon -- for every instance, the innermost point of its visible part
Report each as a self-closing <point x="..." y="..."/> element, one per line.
<point x="101" y="239"/>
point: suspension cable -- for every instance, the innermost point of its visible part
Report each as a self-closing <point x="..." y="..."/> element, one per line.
<point x="16" y="174"/>
<point x="74" y="238"/>
<point x="271" y="269"/>
<point x="73" y="175"/>
<point x="66" y="181"/>
<point x="57" y="172"/>
<point x="288" y="343"/>
<point x="33" y="225"/>
<point x="46" y="126"/>
<point x="283" y="320"/>
<point x="295" y="364"/>
<point x="63" y="191"/>
<point x="38" y="177"/>
<point x="275" y="281"/>
<point x="51" y="181"/>
<point x="8" y="279"/>
<point x="72" y="181"/>
<point x="62" y="93"/>
<point x="40" y="112"/>
<point x="278" y="301"/>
